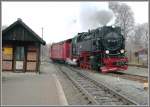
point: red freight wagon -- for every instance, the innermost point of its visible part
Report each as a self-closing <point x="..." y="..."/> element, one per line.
<point x="60" y="51"/>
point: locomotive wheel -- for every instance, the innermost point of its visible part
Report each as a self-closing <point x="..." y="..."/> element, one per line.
<point x="81" y="66"/>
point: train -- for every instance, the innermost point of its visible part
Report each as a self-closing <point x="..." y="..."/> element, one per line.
<point x="101" y="49"/>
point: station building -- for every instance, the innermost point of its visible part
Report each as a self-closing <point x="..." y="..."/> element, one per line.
<point x="142" y="56"/>
<point x="21" y="48"/>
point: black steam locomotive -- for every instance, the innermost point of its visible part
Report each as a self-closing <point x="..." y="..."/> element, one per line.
<point x="100" y="49"/>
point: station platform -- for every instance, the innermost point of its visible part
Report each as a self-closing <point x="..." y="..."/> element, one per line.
<point x="33" y="88"/>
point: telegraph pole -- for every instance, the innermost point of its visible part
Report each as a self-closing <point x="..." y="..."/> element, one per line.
<point x="41" y="51"/>
<point x="42" y="46"/>
<point x="42" y="32"/>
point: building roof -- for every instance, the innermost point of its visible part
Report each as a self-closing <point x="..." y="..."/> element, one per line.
<point x="20" y="22"/>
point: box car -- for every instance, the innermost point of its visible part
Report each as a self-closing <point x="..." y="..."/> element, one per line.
<point x="60" y="51"/>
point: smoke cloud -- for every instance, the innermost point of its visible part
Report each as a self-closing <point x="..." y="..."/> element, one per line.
<point x="103" y="17"/>
<point x="91" y="17"/>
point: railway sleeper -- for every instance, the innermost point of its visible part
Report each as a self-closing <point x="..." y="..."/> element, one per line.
<point x="124" y="101"/>
<point x="106" y="99"/>
<point x="90" y="90"/>
<point x="101" y="97"/>
<point x="80" y="78"/>
<point x="103" y="94"/>
<point x="88" y="86"/>
<point x="96" y="92"/>
<point x="112" y="103"/>
<point x="84" y="82"/>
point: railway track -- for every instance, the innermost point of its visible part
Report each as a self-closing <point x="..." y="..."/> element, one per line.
<point x="142" y="79"/>
<point x="136" y="65"/>
<point x="97" y="93"/>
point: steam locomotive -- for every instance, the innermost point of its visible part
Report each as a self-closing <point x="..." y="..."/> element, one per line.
<point x="101" y="49"/>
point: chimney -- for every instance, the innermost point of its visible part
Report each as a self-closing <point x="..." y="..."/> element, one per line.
<point x="19" y="19"/>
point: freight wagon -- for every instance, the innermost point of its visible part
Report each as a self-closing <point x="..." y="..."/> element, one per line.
<point x="60" y="51"/>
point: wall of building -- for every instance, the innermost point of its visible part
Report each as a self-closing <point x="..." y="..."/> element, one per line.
<point x="20" y="58"/>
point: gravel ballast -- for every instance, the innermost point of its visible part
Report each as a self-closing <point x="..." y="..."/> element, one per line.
<point x="132" y="89"/>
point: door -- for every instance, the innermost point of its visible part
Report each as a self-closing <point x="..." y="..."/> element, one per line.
<point x="19" y="58"/>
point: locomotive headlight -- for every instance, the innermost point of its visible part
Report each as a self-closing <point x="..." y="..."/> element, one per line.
<point x="74" y="60"/>
<point x="122" y="50"/>
<point x="107" y="51"/>
<point x="113" y="26"/>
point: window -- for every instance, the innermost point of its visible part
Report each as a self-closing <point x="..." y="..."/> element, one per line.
<point x="20" y="53"/>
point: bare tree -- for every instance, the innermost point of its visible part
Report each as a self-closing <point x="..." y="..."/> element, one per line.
<point x="141" y="36"/>
<point x="146" y="34"/>
<point x="124" y="17"/>
<point x="137" y="41"/>
<point x="45" y="52"/>
<point x="4" y="27"/>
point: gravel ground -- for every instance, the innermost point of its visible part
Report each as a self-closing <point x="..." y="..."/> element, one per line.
<point x="137" y="71"/>
<point x="132" y="89"/>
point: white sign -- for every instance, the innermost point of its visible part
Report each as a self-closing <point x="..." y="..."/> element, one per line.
<point x="19" y="64"/>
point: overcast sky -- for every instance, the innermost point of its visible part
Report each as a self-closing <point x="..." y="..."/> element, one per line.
<point x="60" y="20"/>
